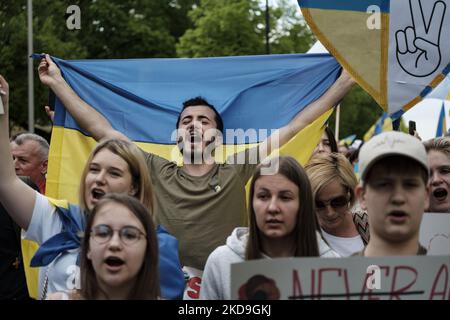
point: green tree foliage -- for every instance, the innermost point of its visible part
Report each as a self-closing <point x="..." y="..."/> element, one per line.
<point x="289" y="31"/>
<point x="177" y="12"/>
<point x="126" y="29"/>
<point x="223" y="28"/>
<point x="238" y="27"/>
<point x="48" y="37"/>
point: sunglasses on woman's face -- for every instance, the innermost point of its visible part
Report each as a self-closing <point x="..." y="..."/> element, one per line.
<point x="336" y="203"/>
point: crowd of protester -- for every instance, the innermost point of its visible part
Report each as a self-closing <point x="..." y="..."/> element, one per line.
<point x="126" y="239"/>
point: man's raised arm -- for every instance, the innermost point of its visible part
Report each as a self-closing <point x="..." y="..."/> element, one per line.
<point x="86" y="116"/>
<point x="305" y="117"/>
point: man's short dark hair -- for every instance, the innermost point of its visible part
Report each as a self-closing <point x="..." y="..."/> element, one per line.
<point x="200" y="101"/>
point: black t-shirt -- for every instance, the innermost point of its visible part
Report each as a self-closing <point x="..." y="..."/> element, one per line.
<point x="12" y="276"/>
<point x="13" y="284"/>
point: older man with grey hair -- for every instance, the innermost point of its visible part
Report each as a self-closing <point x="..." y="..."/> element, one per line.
<point x="30" y="153"/>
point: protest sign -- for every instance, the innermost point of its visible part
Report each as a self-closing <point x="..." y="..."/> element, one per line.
<point x="354" y="278"/>
<point x="435" y="233"/>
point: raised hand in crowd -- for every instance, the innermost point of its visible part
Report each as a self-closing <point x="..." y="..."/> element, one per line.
<point x="50" y="113"/>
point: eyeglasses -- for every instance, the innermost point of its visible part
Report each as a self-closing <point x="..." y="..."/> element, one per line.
<point x="129" y="235"/>
<point x="335" y="203"/>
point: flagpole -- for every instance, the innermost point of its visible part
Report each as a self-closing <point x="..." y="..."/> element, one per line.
<point x="267" y="27"/>
<point x="444" y="126"/>
<point x="30" y="68"/>
<point x="336" y="127"/>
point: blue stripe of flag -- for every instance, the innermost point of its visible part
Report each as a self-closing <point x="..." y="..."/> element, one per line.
<point x="348" y="5"/>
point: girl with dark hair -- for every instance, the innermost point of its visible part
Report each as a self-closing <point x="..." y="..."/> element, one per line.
<point x="119" y="255"/>
<point x="327" y="143"/>
<point x="282" y="224"/>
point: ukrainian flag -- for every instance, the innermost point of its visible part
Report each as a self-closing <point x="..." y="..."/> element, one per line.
<point x="383" y="124"/>
<point x="341" y="25"/>
<point x="442" y="91"/>
<point x="372" y="47"/>
<point x="348" y="140"/>
<point x="442" y="123"/>
<point x="143" y="97"/>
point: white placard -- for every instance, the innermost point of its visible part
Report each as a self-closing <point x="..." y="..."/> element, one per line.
<point x="354" y="278"/>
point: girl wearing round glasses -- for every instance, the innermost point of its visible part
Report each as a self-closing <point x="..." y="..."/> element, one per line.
<point x="113" y="166"/>
<point x="333" y="182"/>
<point x="282" y="224"/>
<point x="119" y="255"/>
<point x="121" y="233"/>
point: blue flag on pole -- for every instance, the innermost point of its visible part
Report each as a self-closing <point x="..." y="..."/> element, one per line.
<point x="442" y="123"/>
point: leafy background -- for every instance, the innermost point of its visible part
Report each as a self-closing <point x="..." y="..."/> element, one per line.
<point x="156" y="28"/>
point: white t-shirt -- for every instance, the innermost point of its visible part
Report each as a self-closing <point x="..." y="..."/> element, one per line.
<point x="63" y="272"/>
<point x="344" y="246"/>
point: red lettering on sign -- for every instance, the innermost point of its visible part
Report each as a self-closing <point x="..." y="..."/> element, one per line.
<point x="396" y="292"/>
<point x="338" y="271"/>
<point x="296" y="285"/>
<point x="297" y="291"/>
<point x="438" y="279"/>
<point x="193" y="287"/>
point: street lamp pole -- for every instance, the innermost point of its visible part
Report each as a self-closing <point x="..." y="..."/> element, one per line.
<point x="267" y="27"/>
<point x="30" y="68"/>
